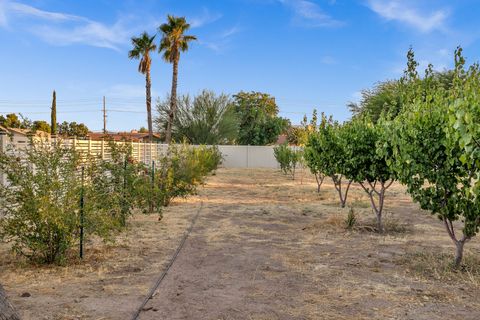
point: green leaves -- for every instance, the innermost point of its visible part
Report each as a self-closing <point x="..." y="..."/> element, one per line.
<point x="431" y="145"/>
<point x="41" y="202"/>
<point x="208" y="119"/>
<point x="259" y="123"/>
<point x="288" y="158"/>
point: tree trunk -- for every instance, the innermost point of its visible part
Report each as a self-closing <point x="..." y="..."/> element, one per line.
<point x="6" y="309"/>
<point x="148" y="86"/>
<point x="377" y="208"/>
<point x="319" y="179"/>
<point x="459" y="253"/>
<point x="173" y="103"/>
<point x="458" y="243"/>
<point x="338" y="185"/>
<point x="379" y="222"/>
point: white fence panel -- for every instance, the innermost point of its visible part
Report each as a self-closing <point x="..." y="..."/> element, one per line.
<point x="233" y="156"/>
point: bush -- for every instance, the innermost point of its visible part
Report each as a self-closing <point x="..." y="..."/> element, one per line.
<point x="113" y="181"/>
<point x="287" y="158"/>
<point x="177" y="174"/>
<point x="41" y="202"/>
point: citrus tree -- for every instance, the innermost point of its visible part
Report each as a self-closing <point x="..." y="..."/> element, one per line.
<point x="430" y="155"/>
<point x="364" y="165"/>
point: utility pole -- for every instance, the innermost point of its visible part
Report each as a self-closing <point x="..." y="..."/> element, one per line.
<point x="104" y="117"/>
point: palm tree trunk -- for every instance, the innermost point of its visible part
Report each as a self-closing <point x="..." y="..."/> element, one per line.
<point x="148" y="85"/>
<point x="173" y="103"/>
<point x="6" y="309"/>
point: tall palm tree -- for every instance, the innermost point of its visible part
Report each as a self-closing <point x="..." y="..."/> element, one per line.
<point x="174" y="40"/>
<point x="142" y="46"/>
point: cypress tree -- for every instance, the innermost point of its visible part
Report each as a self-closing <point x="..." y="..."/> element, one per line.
<point x="53" y="123"/>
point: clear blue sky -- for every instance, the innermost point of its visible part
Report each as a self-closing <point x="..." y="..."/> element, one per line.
<point x="307" y="53"/>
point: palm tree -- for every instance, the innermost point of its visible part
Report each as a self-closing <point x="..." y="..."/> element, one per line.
<point x="174" y="40"/>
<point x="142" y="46"/>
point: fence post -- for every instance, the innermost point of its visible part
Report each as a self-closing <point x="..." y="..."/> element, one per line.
<point x="3" y="147"/>
<point x="89" y="147"/>
<point x="144" y="153"/>
<point x="103" y="149"/>
<point x="82" y="204"/>
<point x="152" y="186"/>
<point x="124" y="198"/>
<point x="139" y="152"/>
<point x="74" y="142"/>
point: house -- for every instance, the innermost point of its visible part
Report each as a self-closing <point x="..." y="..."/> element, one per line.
<point x="283" y="138"/>
<point x="133" y="135"/>
<point x="18" y="135"/>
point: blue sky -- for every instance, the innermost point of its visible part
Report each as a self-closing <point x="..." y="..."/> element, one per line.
<point x="307" y="53"/>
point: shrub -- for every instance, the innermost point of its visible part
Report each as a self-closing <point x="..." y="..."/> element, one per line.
<point x="351" y="219"/>
<point x="287" y="158"/>
<point x="41" y="202"/>
<point x="177" y="174"/>
<point x="113" y="183"/>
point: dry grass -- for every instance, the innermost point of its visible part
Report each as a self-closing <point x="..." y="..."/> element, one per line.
<point x="264" y="247"/>
<point x="438" y="266"/>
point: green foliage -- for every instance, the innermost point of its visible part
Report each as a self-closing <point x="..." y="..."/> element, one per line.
<point x="41" y="202"/>
<point x="142" y="46"/>
<point x="288" y="158"/>
<point x="174" y="40"/>
<point x="40" y="125"/>
<point x="299" y="135"/>
<point x="363" y="164"/>
<point x="324" y="151"/>
<point x="208" y="119"/>
<point x="384" y="99"/>
<point x="180" y="172"/>
<point x="53" y="114"/>
<point x="113" y="182"/>
<point x="425" y="146"/>
<point x="11" y="120"/>
<point x="325" y="155"/>
<point x="351" y="219"/>
<point x="259" y="123"/>
<point x="72" y="129"/>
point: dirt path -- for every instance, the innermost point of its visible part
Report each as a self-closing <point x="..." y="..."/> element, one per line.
<point x="264" y="250"/>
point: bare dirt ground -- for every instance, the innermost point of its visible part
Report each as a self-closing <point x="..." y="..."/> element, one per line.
<point x="264" y="247"/>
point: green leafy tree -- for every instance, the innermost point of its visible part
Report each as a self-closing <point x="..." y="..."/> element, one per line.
<point x="325" y="155"/>
<point x="142" y="46"/>
<point x="11" y="120"/>
<point x="364" y="164"/>
<point x="53" y="122"/>
<point x="174" y="40"/>
<point x="41" y="125"/>
<point x="259" y="123"/>
<point x="208" y="119"/>
<point x="73" y="129"/>
<point x="385" y="98"/>
<point x="299" y="135"/>
<point x="428" y="153"/>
